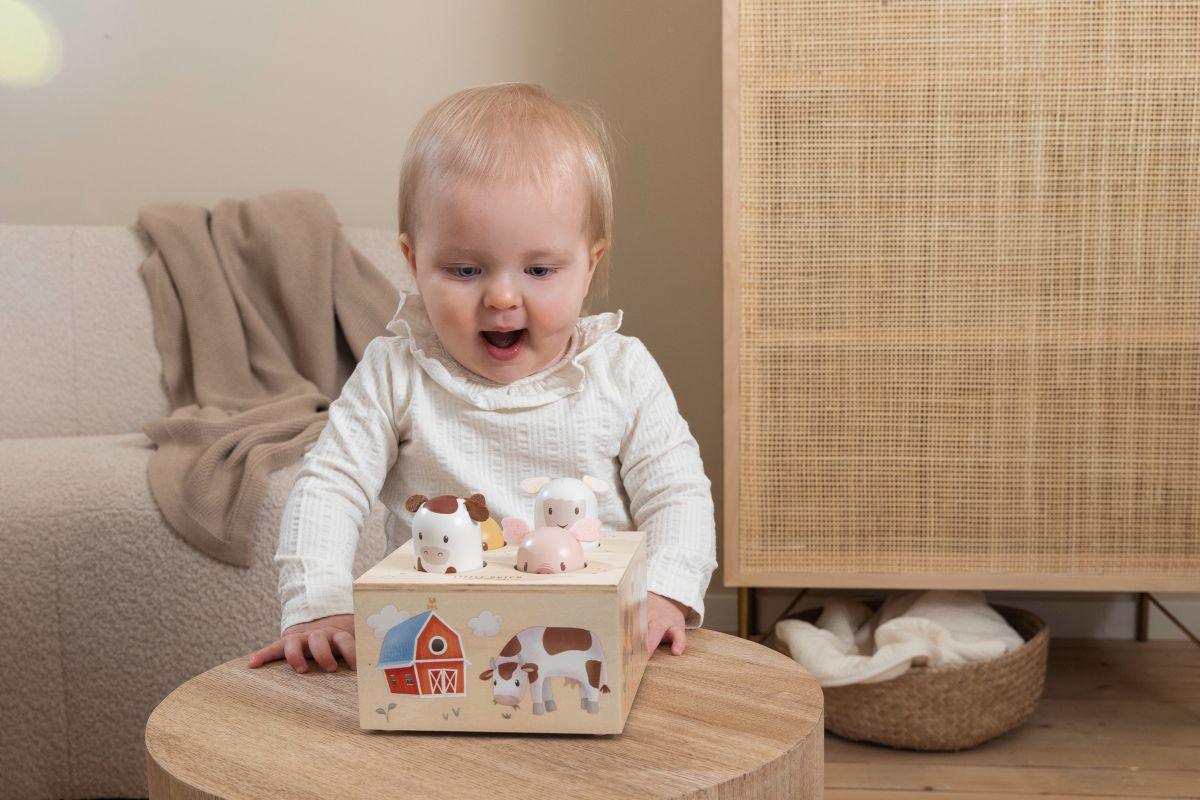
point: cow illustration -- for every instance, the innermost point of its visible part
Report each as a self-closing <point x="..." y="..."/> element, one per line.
<point x="535" y="655"/>
<point x="446" y="534"/>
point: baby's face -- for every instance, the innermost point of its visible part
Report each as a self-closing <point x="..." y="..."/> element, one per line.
<point x="503" y="269"/>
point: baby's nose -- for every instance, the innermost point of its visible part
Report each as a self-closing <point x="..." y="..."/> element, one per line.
<point x="501" y="295"/>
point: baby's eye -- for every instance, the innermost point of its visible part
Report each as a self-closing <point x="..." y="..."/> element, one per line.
<point x="464" y="271"/>
<point x="540" y="271"/>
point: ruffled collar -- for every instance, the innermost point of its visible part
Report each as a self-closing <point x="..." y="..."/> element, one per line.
<point x="560" y="379"/>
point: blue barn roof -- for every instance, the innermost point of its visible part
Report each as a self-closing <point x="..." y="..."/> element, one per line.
<point x="400" y="643"/>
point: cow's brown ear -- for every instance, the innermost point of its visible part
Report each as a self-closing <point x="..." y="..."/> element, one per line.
<point x="531" y="670"/>
<point x="477" y="508"/>
<point x="487" y="673"/>
<point x="415" y="502"/>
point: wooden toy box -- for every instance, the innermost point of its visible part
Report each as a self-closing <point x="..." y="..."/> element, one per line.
<point x="424" y="640"/>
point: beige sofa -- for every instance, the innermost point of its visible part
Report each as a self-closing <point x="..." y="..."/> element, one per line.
<point x="103" y="608"/>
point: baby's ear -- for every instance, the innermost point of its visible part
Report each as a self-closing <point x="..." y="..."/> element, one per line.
<point x="415" y="502"/>
<point x="409" y="253"/>
<point x="533" y="485"/>
<point x="599" y="248"/>
<point x="595" y="484"/>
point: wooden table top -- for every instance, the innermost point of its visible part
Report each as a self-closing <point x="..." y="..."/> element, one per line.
<point x="727" y="716"/>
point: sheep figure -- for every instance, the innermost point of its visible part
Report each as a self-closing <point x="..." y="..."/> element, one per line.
<point x="567" y="503"/>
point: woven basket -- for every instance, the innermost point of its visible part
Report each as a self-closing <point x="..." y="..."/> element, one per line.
<point x="942" y="708"/>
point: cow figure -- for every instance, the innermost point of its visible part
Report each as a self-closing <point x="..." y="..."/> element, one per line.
<point x="535" y="655"/>
<point x="446" y="532"/>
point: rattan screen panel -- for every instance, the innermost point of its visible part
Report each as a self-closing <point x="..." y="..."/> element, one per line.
<point x="963" y="294"/>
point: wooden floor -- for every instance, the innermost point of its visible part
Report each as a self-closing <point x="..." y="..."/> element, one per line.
<point x="1119" y="719"/>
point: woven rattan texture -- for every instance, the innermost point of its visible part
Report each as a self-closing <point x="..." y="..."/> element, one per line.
<point x="969" y="281"/>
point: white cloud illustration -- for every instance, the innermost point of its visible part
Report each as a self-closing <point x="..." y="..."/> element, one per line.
<point x="387" y="618"/>
<point x="486" y="624"/>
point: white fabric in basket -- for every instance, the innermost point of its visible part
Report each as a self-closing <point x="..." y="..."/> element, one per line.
<point x="933" y="628"/>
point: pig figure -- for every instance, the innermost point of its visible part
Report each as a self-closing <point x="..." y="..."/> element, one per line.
<point x="569" y="504"/>
<point x="446" y="532"/>
<point x="545" y="550"/>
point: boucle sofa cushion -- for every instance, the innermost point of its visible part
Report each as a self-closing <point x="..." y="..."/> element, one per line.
<point x="77" y="348"/>
<point x="107" y="610"/>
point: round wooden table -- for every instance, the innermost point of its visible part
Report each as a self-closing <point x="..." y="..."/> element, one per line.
<point x="728" y="718"/>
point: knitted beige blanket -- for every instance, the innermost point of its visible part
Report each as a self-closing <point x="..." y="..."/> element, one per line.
<point x="261" y="311"/>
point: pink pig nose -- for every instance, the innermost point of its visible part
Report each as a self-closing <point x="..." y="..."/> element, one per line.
<point x="545" y="569"/>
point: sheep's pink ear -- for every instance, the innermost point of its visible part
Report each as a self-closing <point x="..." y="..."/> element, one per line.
<point x="514" y="529"/>
<point x="533" y="485"/>
<point x="586" y="530"/>
<point x="596" y="485"/>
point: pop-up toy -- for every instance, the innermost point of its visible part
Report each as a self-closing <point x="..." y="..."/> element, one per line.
<point x="450" y="641"/>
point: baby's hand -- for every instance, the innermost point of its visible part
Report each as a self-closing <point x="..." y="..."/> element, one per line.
<point x="316" y="638"/>
<point x="665" y="619"/>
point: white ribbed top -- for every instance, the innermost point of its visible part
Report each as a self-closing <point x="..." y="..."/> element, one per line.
<point x="412" y="420"/>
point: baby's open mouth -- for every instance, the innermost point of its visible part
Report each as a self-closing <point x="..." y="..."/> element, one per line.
<point x="503" y="339"/>
<point x="503" y="345"/>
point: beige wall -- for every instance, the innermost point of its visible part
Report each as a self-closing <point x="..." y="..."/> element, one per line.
<point x="195" y="102"/>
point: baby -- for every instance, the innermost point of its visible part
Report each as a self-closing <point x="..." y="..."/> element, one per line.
<point x="493" y="376"/>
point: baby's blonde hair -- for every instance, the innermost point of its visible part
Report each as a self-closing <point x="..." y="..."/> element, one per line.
<point x="511" y="131"/>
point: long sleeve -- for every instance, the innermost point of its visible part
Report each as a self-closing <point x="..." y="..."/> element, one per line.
<point x="670" y="497"/>
<point x="336" y="487"/>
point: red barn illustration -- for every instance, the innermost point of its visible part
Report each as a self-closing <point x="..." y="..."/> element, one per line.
<point x="423" y="656"/>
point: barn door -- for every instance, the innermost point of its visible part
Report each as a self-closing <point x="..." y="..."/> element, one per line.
<point x="444" y="681"/>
